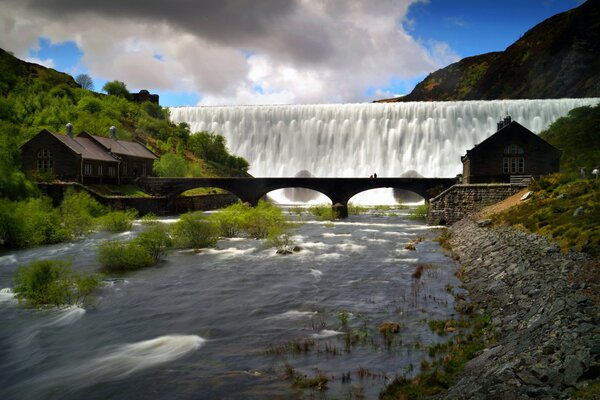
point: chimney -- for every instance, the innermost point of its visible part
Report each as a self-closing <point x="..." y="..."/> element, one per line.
<point x="113" y="133"/>
<point x="507" y="120"/>
<point x="70" y="130"/>
<point x="499" y="125"/>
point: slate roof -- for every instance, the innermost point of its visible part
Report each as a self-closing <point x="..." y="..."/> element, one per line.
<point x="123" y="147"/>
<point x="87" y="148"/>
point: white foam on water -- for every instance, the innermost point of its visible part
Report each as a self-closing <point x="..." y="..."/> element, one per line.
<point x="66" y="316"/>
<point x="352" y="247"/>
<point x="328" y="234"/>
<point x="326" y="333"/>
<point x="315" y="245"/>
<point x="369" y="230"/>
<point x="120" y="361"/>
<point x="316" y="273"/>
<point x="8" y="259"/>
<point x="7" y="296"/>
<point x="293" y="314"/>
<point x="329" y="256"/>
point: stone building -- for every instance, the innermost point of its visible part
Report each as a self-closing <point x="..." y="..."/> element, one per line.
<point x="86" y="158"/>
<point x="512" y="154"/>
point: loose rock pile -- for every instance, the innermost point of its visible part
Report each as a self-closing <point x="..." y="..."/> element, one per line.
<point x="548" y="324"/>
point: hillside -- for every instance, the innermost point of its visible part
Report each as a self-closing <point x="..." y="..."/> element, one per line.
<point x="558" y="58"/>
<point x="33" y="98"/>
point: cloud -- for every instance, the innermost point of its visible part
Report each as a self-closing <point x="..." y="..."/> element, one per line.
<point x="233" y="51"/>
<point x="48" y="62"/>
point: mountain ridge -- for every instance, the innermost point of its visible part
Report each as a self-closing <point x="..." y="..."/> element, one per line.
<point x="558" y="58"/>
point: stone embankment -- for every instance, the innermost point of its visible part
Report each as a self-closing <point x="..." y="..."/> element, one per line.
<point x="544" y="306"/>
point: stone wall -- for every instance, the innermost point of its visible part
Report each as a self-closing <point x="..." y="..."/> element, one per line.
<point x="460" y="201"/>
<point x="543" y="305"/>
<point x="158" y="205"/>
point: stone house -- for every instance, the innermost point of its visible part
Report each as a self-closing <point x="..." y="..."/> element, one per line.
<point x="86" y="158"/>
<point x="512" y="154"/>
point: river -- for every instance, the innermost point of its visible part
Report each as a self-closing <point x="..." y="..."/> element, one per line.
<point x="223" y="322"/>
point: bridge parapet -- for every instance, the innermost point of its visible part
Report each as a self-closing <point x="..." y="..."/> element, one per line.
<point x="338" y="190"/>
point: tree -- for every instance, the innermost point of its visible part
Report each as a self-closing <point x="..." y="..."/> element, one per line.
<point x="85" y="81"/>
<point x="117" y="88"/>
<point x="170" y="165"/>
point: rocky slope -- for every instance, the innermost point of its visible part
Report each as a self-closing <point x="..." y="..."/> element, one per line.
<point x="558" y="58"/>
<point x="545" y="307"/>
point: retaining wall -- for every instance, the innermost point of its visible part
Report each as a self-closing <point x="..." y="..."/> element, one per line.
<point x="459" y="201"/>
<point x="158" y="205"/>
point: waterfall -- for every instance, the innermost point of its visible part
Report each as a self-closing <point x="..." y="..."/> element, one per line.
<point x="354" y="140"/>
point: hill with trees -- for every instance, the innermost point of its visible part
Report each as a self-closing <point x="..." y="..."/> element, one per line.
<point x="558" y="58"/>
<point x="33" y="98"/>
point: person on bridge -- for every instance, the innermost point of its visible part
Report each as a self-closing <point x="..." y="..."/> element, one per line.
<point x="375" y="175"/>
<point x="371" y="177"/>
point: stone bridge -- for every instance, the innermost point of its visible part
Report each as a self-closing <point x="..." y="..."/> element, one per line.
<point x="338" y="190"/>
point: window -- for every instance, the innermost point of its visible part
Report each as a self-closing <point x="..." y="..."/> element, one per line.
<point x="513" y="150"/>
<point x="112" y="172"/>
<point x="87" y="169"/>
<point x="124" y="170"/>
<point x="143" y="169"/>
<point x="44" y="161"/>
<point x="513" y="165"/>
<point x="99" y="170"/>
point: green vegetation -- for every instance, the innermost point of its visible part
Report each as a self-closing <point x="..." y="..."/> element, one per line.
<point x="323" y="212"/>
<point x="34" y="98"/>
<point x="117" y="221"/>
<point x="118" y="256"/>
<point x="576" y="135"/>
<point x="591" y="391"/>
<point x="552" y="212"/>
<point x="194" y="230"/>
<point x="449" y="359"/>
<point x="170" y="165"/>
<point x="419" y="212"/>
<point x="53" y="283"/>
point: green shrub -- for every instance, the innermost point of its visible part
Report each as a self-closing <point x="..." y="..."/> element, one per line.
<point x="155" y="240"/>
<point x="79" y="211"/>
<point x="194" y="230"/>
<point x="323" y="212"/>
<point x="30" y="223"/>
<point x="49" y="282"/>
<point x="419" y="212"/>
<point x="264" y="219"/>
<point x="231" y="220"/>
<point x="117" y="221"/>
<point x="118" y="256"/>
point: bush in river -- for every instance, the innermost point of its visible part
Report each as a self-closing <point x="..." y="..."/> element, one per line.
<point x="419" y="212"/>
<point x="49" y="282"/>
<point x="117" y="221"/>
<point x="231" y="220"/>
<point x="116" y="256"/>
<point x="155" y="240"/>
<point x="263" y="220"/>
<point x="194" y="230"/>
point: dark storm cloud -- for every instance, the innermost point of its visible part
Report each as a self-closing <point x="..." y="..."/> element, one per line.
<point x="265" y="24"/>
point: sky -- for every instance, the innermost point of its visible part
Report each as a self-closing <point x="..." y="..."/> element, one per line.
<point x="233" y="52"/>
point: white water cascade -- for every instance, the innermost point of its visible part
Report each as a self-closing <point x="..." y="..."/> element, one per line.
<point x="354" y="140"/>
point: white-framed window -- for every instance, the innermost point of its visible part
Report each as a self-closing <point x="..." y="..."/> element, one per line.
<point x="112" y="172"/>
<point x="87" y="169"/>
<point x="44" y="161"/>
<point x="513" y="165"/>
<point x="99" y="170"/>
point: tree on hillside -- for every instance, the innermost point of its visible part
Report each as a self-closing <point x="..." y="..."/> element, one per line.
<point x="85" y="81"/>
<point x="170" y="166"/>
<point x="116" y="88"/>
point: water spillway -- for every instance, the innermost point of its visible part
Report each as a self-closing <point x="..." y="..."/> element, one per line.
<point x="357" y="140"/>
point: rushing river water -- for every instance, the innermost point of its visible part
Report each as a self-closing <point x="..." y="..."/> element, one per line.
<point x="221" y="323"/>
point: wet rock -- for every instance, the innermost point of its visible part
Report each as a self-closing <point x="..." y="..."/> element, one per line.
<point x="283" y="251"/>
<point x="297" y="249"/>
<point x="578" y="211"/>
<point x="573" y="370"/>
